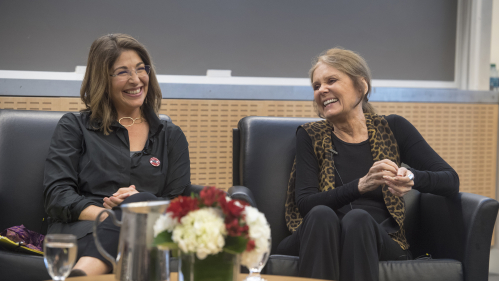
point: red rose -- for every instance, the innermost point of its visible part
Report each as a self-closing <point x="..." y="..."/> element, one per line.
<point x="250" y="246"/>
<point x="222" y="201"/>
<point x="234" y="228"/>
<point x="234" y="209"/>
<point x="210" y="195"/>
<point x="182" y="205"/>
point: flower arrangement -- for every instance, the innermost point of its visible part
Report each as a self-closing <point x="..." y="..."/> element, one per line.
<point x="211" y="223"/>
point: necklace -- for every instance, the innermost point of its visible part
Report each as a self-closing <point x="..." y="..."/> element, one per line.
<point x="133" y="121"/>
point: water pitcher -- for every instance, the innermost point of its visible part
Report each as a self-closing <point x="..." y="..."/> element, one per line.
<point x="138" y="259"/>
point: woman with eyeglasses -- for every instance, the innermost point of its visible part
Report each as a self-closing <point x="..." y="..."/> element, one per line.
<point x="115" y="151"/>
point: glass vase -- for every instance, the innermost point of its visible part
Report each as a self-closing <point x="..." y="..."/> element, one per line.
<point x="220" y="267"/>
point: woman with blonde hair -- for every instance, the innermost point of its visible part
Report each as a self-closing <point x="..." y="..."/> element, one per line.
<point x="115" y="151"/>
<point x="345" y="206"/>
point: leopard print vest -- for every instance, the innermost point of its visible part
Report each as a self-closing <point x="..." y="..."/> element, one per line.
<point x="383" y="146"/>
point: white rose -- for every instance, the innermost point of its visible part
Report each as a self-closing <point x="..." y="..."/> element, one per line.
<point x="201" y="232"/>
<point x="259" y="231"/>
<point x="164" y="222"/>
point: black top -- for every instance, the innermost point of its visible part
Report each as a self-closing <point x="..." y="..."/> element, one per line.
<point x="352" y="163"/>
<point x="431" y="173"/>
<point x="84" y="166"/>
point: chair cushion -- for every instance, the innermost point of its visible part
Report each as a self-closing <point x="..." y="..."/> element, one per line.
<point x="413" y="270"/>
<point x="282" y="265"/>
<point x="22" y="267"/>
<point x="417" y="270"/>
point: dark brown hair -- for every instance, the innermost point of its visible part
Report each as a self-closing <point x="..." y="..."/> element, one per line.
<point x="351" y="64"/>
<point x="96" y="87"/>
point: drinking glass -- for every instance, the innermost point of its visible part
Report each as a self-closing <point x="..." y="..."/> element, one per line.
<point x="254" y="274"/>
<point x="59" y="254"/>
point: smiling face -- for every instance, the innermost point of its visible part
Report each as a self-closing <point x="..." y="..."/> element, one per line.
<point x="128" y="94"/>
<point x="335" y="93"/>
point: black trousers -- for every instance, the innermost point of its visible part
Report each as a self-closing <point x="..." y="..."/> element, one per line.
<point x="108" y="233"/>
<point x="348" y="250"/>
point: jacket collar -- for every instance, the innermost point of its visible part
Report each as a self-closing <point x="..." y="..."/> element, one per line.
<point x="155" y="124"/>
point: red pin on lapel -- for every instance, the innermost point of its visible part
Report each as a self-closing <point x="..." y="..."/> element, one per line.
<point x="154" y="161"/>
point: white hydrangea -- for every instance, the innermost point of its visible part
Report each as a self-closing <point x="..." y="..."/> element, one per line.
<point x="165" y="222"/>
<point x="259" y="231"/>
<point x="202" y="232"/>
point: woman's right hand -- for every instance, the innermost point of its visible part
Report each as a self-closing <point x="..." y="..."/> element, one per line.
<point x="119" y="196"/>
<point x="90" y="213"/>
<point x="131" y="189"/>
<point x="374" y="177"/>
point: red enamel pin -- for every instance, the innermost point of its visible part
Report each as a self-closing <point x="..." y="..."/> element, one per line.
<point x="154" y="161"/>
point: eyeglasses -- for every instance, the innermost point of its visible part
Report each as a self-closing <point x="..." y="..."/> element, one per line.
<point x="141" y="71"/>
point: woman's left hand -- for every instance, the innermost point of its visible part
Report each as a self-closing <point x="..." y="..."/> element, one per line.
<point x="401" y="184"/>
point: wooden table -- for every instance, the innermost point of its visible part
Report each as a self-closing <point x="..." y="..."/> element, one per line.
<point x="173" y="277"/>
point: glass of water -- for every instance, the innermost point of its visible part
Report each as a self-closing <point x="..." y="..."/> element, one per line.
<point x="59" y="252"/>
<point x="254" y="274"/>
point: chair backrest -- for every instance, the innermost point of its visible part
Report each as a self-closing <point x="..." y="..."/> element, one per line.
<point x="24" y="141"/>
<point x="264" y="151"/>
<point x="266" y="154"/>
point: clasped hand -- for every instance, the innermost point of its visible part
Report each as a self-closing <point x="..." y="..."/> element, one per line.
<point x="119" y="196"/>
<point x="387" y="172"/>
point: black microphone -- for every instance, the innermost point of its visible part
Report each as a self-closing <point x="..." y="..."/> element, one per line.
<point x="333" y="151"/>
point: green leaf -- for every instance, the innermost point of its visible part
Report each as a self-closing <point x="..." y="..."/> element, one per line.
<point x="164" y="239"/>
<point x="235" y="245"/>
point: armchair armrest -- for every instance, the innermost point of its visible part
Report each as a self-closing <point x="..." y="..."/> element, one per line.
<point x="479" y="214"/>
<point x="459" y="228"/>
<point x="193" y="188"/>
<point x="242" y="193"/>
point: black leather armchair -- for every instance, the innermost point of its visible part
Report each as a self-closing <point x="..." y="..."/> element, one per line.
<point x="456" y="232"/>
<point x="24" y="141"/>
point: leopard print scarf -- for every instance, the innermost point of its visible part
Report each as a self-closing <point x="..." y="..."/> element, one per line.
<point x="383" y="146"/>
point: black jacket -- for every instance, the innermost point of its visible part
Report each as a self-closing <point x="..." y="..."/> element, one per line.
<point x="84" y="166"/>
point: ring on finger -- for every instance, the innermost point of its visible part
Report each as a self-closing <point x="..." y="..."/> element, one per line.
<point x="411" y="176"/>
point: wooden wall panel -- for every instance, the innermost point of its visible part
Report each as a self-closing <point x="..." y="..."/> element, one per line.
<point x="288" y="108"/>
<point x="70" y="104"/>
<point x="29" y="103"/>
<point x="465" y="135"/>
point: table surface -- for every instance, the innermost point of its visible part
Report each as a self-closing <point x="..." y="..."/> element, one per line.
<point x="173" y="277"/>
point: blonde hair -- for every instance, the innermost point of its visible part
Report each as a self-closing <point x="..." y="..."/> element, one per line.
<point x="351" y="64"/>
<point x="96" y="87"/>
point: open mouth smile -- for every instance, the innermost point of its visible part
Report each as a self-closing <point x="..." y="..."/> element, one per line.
<point x="329" y="101"/>
<point x="133" y="92"/>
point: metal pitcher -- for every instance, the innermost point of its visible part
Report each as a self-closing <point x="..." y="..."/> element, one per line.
<point x="138" y="259"/>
